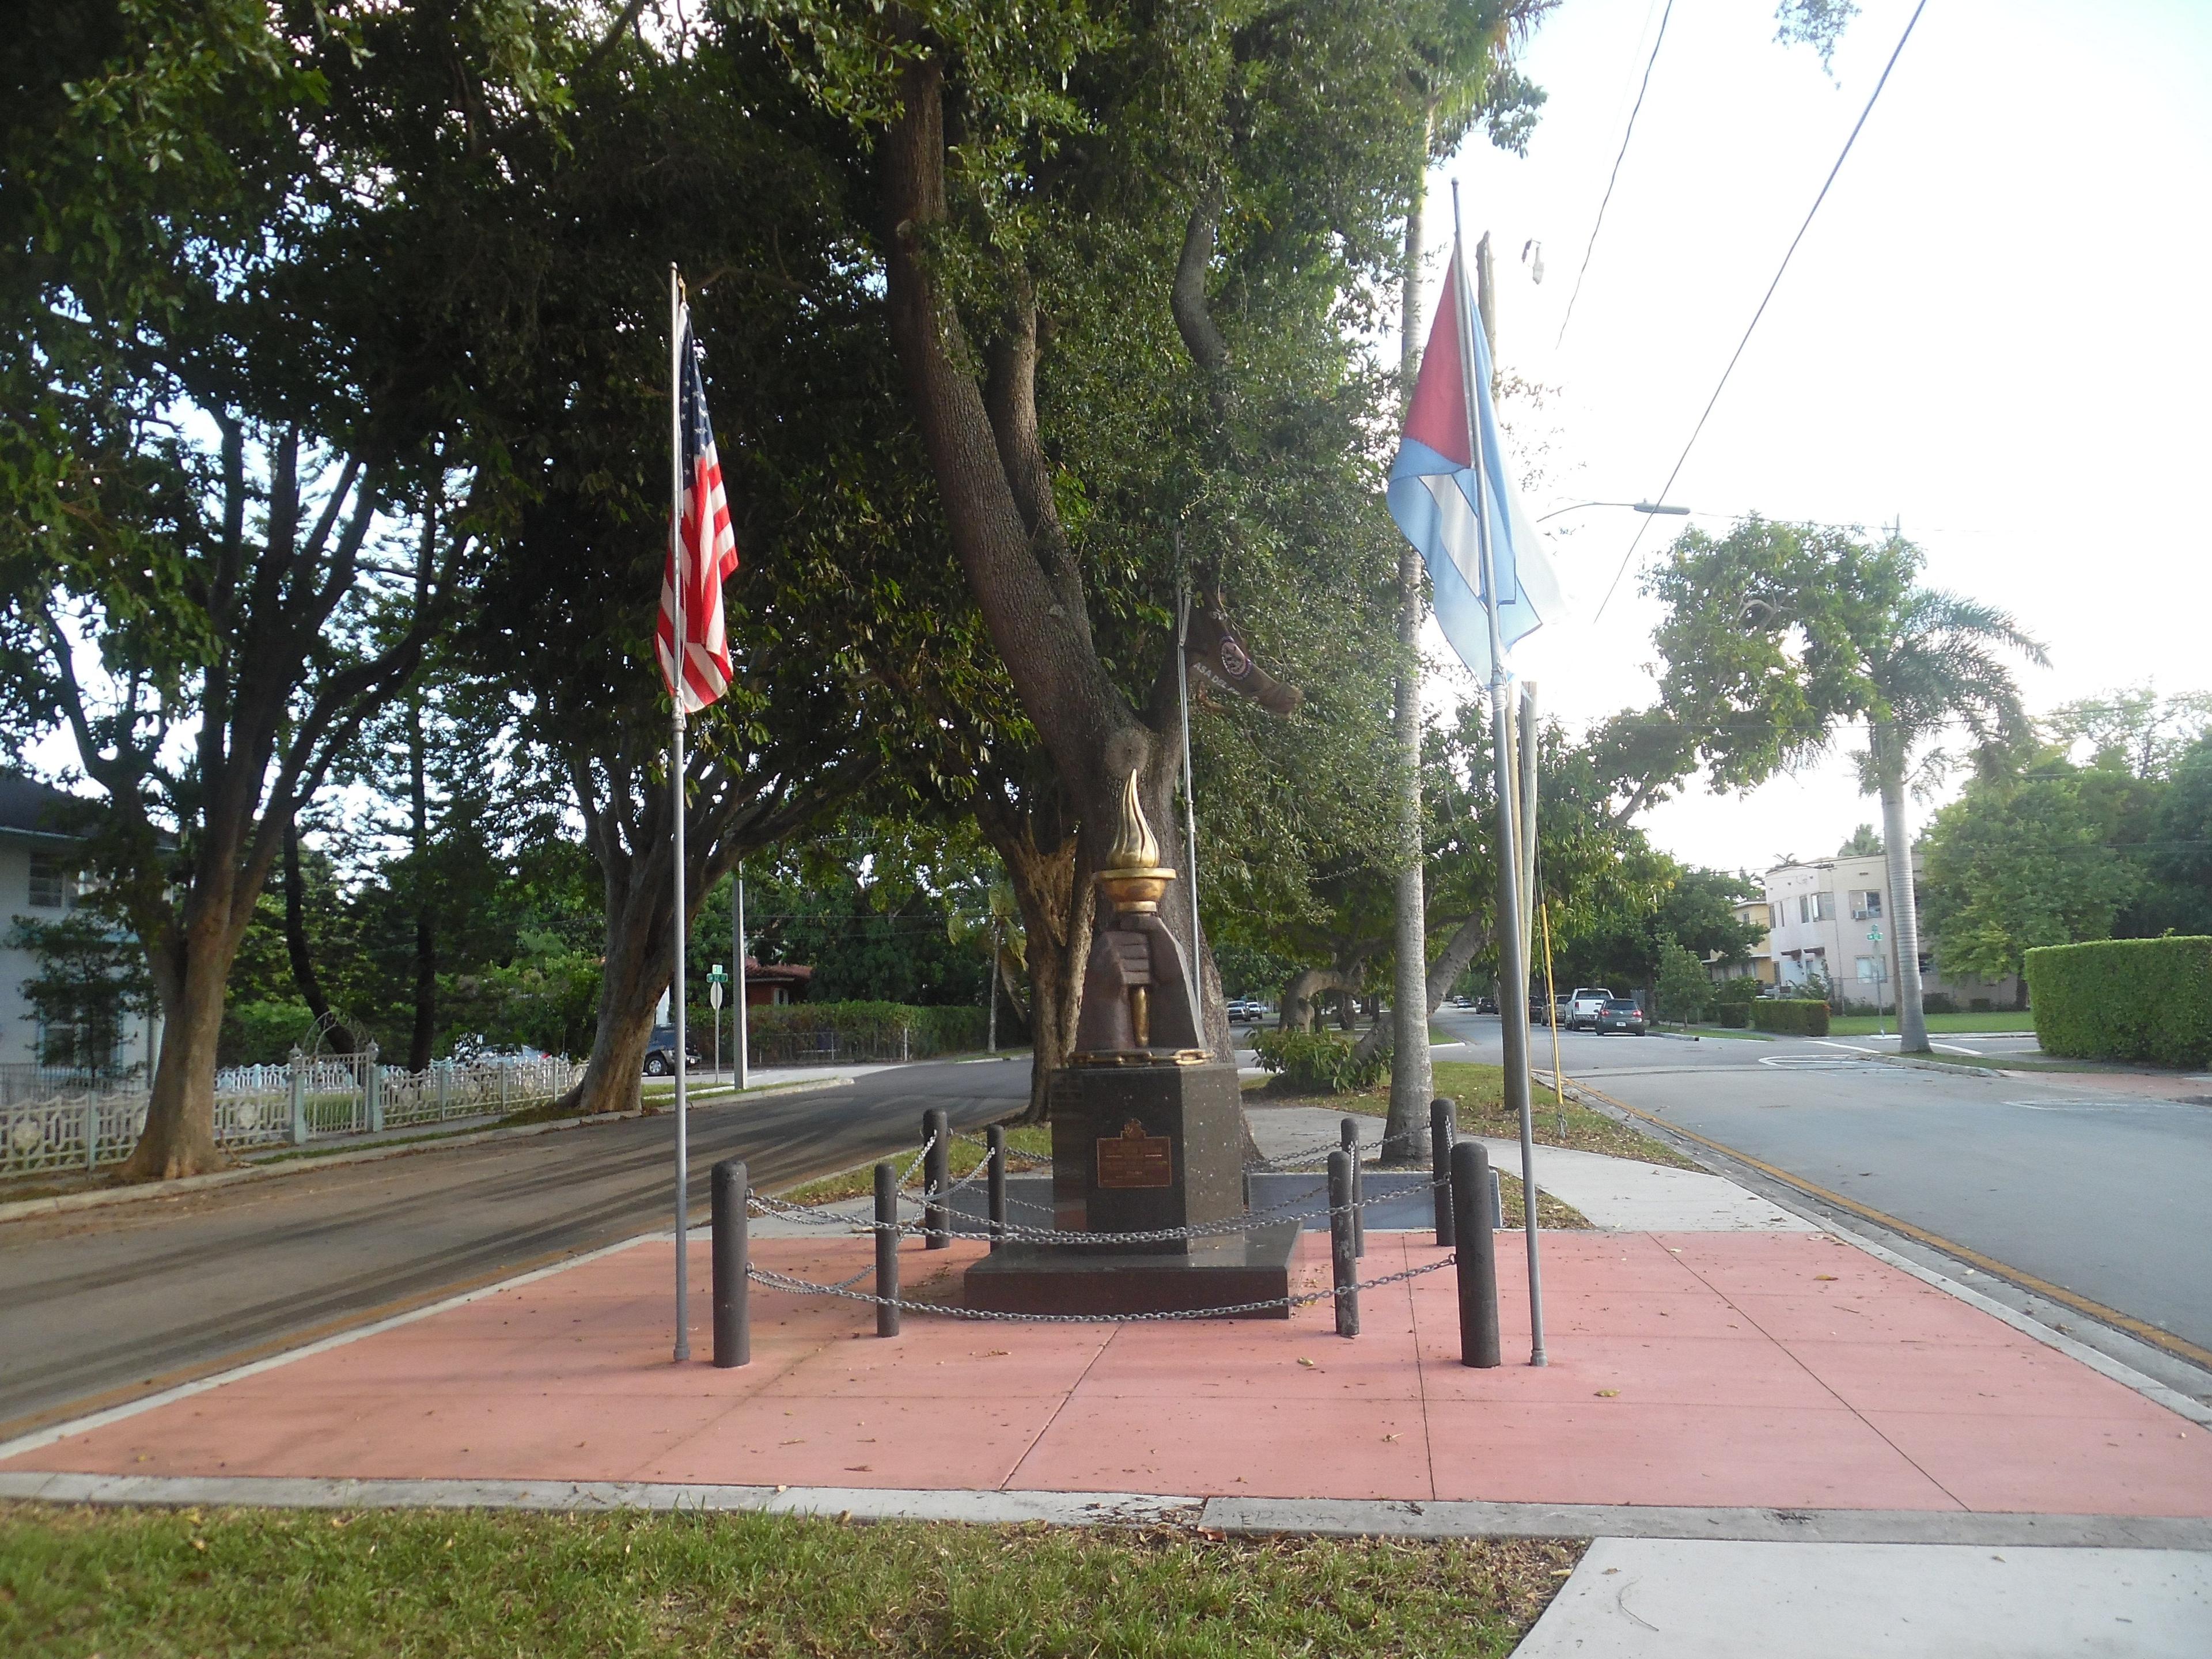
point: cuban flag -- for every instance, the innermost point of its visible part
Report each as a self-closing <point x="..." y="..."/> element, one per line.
<point x="709" y="551"/>
<point x="1435" y="498"/>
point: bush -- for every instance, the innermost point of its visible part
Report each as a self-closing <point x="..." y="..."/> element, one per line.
<point x="1732" y="1000"/>
<point x="2133" y="998"/>
<point x="929" y="1031"/>
<point x="1795" y="1016"/>
<point x="1316" y="1062"/>
<point x="1939" y="1002"/>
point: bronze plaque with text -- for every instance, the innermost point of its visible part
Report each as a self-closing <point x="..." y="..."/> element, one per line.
<point x="1134" y="1158"/>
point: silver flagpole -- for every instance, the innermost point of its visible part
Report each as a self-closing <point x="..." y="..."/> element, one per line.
<point x="744" y="1032"/>
<point x="1189" y="799"/>
<point x="676" y="798"/>
<point x="1513" y="959"/>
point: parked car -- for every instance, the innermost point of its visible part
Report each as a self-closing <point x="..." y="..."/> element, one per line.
<point x="1462" y="1002"/>
<point x="1485" y="1005"/>
<point x="1619" y="1014"/>
<point x="660" y="1051"/>
<point x="1242" y="1008"/>
<point x="1583" y="1007"/>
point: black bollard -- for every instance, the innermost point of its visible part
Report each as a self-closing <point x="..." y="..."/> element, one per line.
<point x="1478" y="1255"/>
<point x="887" y="1238"/>
<point x="936" y="1178"/>
<point x="1343" y="1249"/>
<point x="998" y="1184"/>
<point x="1441" y="1136"/>
<point x="1348" y="1133"/>
<point x="733" y="1329"/>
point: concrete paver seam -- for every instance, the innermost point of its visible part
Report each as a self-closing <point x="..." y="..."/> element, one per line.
<point x="2149" y="1387"/>
<point x="1238" y="1516"/>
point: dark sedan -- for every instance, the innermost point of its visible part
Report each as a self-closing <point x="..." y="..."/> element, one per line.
<point x="1619" y="1014"/>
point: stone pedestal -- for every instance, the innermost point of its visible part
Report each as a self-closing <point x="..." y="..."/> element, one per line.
<point x="1139" y="1147"/>
<point x="1136" y="1148"/>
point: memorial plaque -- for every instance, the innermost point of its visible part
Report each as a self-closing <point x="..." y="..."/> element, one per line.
<point x="1134" y="1158"/>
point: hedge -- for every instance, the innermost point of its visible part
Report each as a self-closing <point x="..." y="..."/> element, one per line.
<point x="2124" y="999"/>
<point x="930" y="1030"/>
<point x="1796" y="1017"/>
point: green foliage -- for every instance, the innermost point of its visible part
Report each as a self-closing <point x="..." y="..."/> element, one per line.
<point x="1316" y="1062"/>
<point x="2022" y="861"/>
<point x="1732" y="1001"/>
<point x="1865" y="843"/>
<point x="1792" y="1016"/>
<point x="263" y="1030"/>
<point x="936" y="1030"/>
<point x="2129" y="1000"/>
<point x="1684" y="989"/>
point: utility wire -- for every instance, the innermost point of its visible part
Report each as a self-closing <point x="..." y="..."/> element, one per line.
<point x="1629" y="132"/>
<point x="1732" y="362"/>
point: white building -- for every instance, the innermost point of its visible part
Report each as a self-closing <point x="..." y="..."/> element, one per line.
<point x="38" y="883"/>
<point x="1819" y="914"/>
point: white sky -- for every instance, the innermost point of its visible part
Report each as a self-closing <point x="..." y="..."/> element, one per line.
<point x="1996" y="329"/>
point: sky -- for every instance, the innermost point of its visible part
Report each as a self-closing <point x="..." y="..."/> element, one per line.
<point x="1995" y="331"/>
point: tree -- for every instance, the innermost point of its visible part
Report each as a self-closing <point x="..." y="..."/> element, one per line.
<point x="1119" y="255"/>
<point x="1865" y="843"/>
<point x="1776" y="635"/>
<point x="224" y="322"/>
<point x="2018" y="861"/>
<point x="90" y="978"/>
<point x="1682" y="988"/>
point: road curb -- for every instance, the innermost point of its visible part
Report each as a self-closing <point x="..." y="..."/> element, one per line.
<point x="63" y="1204"/>
<point x="1411" y="1519"/>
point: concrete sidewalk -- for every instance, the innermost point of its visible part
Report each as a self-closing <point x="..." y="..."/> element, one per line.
<point x="1711" y="1395"/>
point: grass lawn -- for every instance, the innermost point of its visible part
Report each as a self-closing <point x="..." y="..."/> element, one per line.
<point x="2006" y="1020"/>
<point x="1029" y="1146"/>
<point x="82" y="1582"/>
<point x="1479" y="1091"/>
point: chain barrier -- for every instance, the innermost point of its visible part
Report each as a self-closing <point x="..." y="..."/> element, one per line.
<point x="785" y="1282"/>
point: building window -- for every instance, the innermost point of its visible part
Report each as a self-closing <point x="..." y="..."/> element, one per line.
<point x="1870" y="969"/>
<point x="52" y="885"/>
<point x="1867" y="906"/>
<point x="1816" y="907"/>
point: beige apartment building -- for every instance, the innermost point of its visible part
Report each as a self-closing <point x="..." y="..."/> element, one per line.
<point x="1819" y="915"/>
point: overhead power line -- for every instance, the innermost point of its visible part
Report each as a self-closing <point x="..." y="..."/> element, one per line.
<point x="1872" y="98"/>
<point x="1626" y="134"/>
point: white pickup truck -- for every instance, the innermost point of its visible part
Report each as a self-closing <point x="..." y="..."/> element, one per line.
<point x="1584" y="1007"/>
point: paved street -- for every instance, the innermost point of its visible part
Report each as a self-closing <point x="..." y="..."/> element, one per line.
<point x="98" y="1306"/>
<point x="2062" y="1176"/>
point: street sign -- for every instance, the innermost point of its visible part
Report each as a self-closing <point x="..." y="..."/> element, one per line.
<point x="716" y="979"/>
<point x="1873" y="936"/>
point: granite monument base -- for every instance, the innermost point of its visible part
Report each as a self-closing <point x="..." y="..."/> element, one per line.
<point x="1135" y="1149"/>
<point x="1218" y="1272"/>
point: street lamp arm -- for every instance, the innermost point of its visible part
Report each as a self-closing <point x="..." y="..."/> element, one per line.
<point x="1634" y="507"/>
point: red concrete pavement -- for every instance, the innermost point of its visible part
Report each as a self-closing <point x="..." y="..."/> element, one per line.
<point x="1786" y="1371"/>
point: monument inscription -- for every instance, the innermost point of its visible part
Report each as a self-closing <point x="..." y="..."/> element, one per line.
<point x="1134" y="1158"/>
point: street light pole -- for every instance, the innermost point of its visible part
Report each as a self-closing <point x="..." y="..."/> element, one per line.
<point x="1633" y="507"/>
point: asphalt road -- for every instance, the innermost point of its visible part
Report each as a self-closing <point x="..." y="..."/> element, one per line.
<point x="103" y="1305"/>
<point x="2061" y="1176"/>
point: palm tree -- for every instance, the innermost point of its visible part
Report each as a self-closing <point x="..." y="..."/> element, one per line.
<point x="1940" y="664"/>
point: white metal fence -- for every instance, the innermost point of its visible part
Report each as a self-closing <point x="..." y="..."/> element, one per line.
<point x="311" y="1099"/>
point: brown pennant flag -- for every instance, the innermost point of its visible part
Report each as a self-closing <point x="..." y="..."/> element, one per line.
<point x="1217" y="659"/>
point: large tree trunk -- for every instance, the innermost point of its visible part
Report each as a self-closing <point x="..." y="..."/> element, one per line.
<point x="994" y="481"/>
<point x="1057" y="928"/>
<point x="344" y="1039"/>
<point x="640" y="963"/>
<point x="189" y="978"/>
<point x="1897" y="843"/>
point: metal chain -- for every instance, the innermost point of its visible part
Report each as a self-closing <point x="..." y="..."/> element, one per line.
<point x="776" y="1281"/>
<point x="1167" y="1234"/>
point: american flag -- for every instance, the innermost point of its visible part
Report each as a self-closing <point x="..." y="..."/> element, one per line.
<point x="708" y="548"/>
